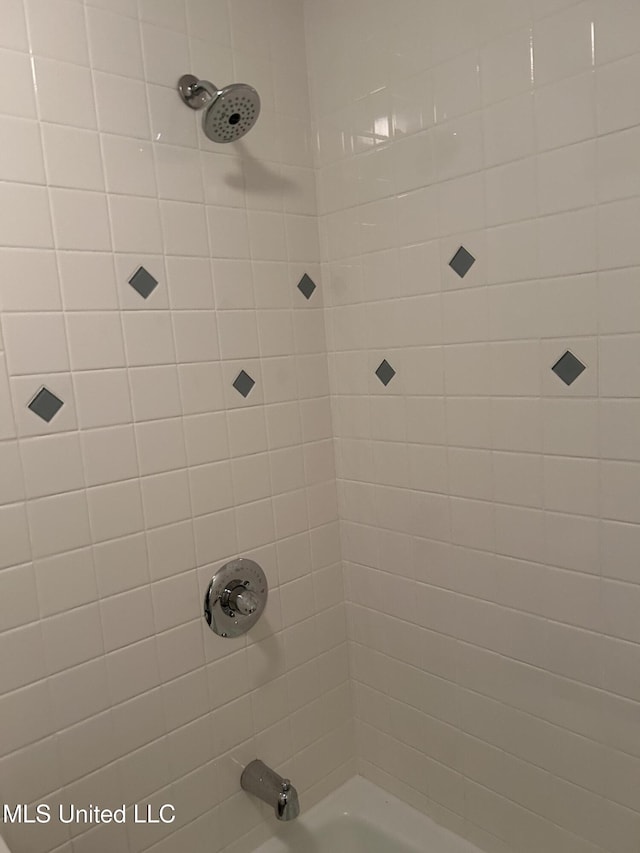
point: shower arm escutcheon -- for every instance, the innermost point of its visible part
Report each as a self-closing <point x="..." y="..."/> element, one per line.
<point x="196" y="93"/>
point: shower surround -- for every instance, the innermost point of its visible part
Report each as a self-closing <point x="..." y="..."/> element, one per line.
<point x="478" y="176"/>
<point x="477" y="168"/>
<point x="149" y="282"/>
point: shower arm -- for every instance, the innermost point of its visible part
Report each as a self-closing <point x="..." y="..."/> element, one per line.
<point x="196" y="93"/>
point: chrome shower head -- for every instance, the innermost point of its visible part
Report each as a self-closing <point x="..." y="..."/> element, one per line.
<point x="230" y="112"/>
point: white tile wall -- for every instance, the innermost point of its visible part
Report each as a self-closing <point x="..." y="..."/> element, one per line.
<point x="488" y="512"/>
<point x="155" y="471"/>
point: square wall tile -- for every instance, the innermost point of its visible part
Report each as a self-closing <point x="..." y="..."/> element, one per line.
<point x="148" y="338"/>
<point x="567" y="178"/>
<point x="462" y="262"/>
<point x="87" y="281"/>
<point x="80" y="220"/>
<point x="509" y="130"/>
<point x="511" y="192"/>
<point x="568" y="242"/>
<point x="568" y="368"/>
<point x="24" y="216"/>
<point x="25" y="388"/>
<point x="306" y="286"/>
<point x="196" y="336"/>
<point x="202" y="388"/>
<point x="155" y="392"/>
<point x="35" y="343"/>
<point x="585" y="351"/>
<point x="38" y="268"/>
<point x="127" y="618"/>
<point x="555" y="124"/>
<point x="171" y="550"/>
<point x="564" y="44"/>
<point x="165" y="498"/>
<point x="114" y="40"/>
<point x="54" y="82"/>
<point x="109" y="455"/>
<point x="128" y="166"/>
<point x="224" y="180"/>
<point x="135" y="225"/>
<point x="73" y="157"/>
<point x="103" y="398"/>
<point x="617" y="224"/>
<point x="161" y="446"/>
<point x="166" y="54"/>
<point x="126" y="267"/>
<point x="45" y="404"/>
<point x="243" y="383"/>
<point x="59" y="523"/>
<point x="115" y="510"/>
<point x="179" y="173"/>
<point x="185" y="228"/>
<point x="189" y="283"/>
<point x="169" y="125"/>
<point x="50" y="37"/>
<point x="238" y="334"/>
<point x="143" y="282"/>
<point x="385" y="372"/>
<point x="505" y="65"/>
<point x="121" y="105"/>
<point x="120" y="565"/>
<point x="95" y="340"/>
<point x="52" y="464"/>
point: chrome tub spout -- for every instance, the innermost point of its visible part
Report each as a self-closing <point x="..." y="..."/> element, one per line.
<point x="269" y="786"/>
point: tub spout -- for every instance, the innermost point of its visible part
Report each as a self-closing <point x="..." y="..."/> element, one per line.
<point x="269" y="786"/>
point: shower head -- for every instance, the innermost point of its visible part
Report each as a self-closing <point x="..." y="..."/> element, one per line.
<point x="229" y="112"/>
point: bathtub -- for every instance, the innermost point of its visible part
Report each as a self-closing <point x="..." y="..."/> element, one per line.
<point x="361" y="818"/>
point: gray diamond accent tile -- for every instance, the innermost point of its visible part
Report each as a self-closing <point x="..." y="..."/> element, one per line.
<point x="306" y="286"/>
<point x="45" y="404"/>
<point x="143" y="282"/>
<point x="243" y="383"/>
<point x="385" y="372"/>
<point x="462" y="262"/>
<point x="568" y="368"/>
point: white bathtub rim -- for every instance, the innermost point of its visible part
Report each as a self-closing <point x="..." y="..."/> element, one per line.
<point x="366" y="802"/>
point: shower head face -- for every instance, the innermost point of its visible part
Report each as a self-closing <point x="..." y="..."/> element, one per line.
<point x="232" y="113"/>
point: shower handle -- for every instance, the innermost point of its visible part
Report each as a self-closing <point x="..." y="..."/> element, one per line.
<point x="196" y="93"/>
<point x="241" y="600"/>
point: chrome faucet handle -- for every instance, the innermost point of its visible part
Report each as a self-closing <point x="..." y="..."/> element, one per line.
<point x="284" y="791"/>
<point x="283" y="799"/>
<point x="243" y="600"/>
